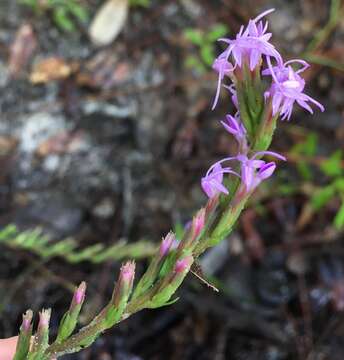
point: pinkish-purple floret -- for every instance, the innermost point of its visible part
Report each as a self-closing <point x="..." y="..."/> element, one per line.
<point x="287" y="87"/>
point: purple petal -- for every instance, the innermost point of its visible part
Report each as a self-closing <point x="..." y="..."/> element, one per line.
<point x="247" y="176"/>
<point x="217" y="95"/>
<point x="321" y="107"/>
<point x="252" y="28"/>
<point x="303" y="104"/>
<point x="237" y="54"/>
<point x="276" y="103"/>
<point x="266" y="12"/>
<point x="271" y="153"/>
<point x="254" y="58"/>
<point x="266" y="170"/>
<point x="219" y="187"/>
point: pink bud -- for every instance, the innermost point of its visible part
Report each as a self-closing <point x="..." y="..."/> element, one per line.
<point x="124" y="284"/>
<point x="27" y="318"/>
<point x="44" y="318"/>
<point x="183" y="264"/>
<point x="198" y="223"/>
<point x="128" y="271"/>
<point x="79" y="294"/>
<point x="166" y="244"/>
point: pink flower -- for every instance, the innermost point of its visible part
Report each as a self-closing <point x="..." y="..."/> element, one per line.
<point x="287" y="87"/>
<point x="212" y="181"/>
<point x="254" y="171"/>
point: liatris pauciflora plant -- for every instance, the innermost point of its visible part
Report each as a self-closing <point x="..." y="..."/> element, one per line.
<point x="263" y="88"/>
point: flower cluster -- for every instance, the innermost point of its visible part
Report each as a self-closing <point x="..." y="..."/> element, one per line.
<point x="253" y="124"/>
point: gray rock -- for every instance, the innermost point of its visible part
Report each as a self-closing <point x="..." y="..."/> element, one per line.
<point x="38" y="128"/>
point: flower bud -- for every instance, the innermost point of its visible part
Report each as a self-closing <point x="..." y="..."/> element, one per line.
<point x="126" y="277"/>
<point x="41" y="339"/>
<point x="26" y="324"/>
<point x="152" y="273"/>
<point x="183" y="265"/>
<point x="190" y="240"/>
<point x="198" y="223"/>
<point x="171" y="283"/>
<point x="120" y="295"/>
<point x="23" y="344"/>
<point x="70" y="318"/>
<point x="166" y="244"/>
<point x="44" y="318"/>
<point x="79" y="295"/>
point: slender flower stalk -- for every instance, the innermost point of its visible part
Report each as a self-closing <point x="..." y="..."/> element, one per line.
<point x="258" y="109"/>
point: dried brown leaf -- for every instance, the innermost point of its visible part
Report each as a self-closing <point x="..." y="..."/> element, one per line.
<point x="50" y="69"/>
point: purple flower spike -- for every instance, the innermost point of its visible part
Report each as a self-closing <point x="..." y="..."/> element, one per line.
<point x="287" y="87"/>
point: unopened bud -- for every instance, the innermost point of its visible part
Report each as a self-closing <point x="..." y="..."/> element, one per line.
<point x="23" y="343"/>
<point x="171" y="282"/>
<point x="190" y="239"/>
<point x="183" y="265"/>
<point x="198" y="223"/>
<point x="79" y="296"/>
<point x="40" y="342"/>
<point x="120" y="295"/>
<point x="124" y="284"/>
<point x="26" y="324"/>
<point x="127" y="274"/>
<point x="166" y="244"/>
<point x="44" y="318"/>
<point x="70" y="318"/>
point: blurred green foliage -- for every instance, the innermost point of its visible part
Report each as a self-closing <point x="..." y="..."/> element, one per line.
<point x="36" y="242"/>
<point x="331" y="168"/>
<point x="143" y="3"/>
<point x="204" y="40"/>
<point x="307" y="148"/>
<point x="63" y="12"/>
